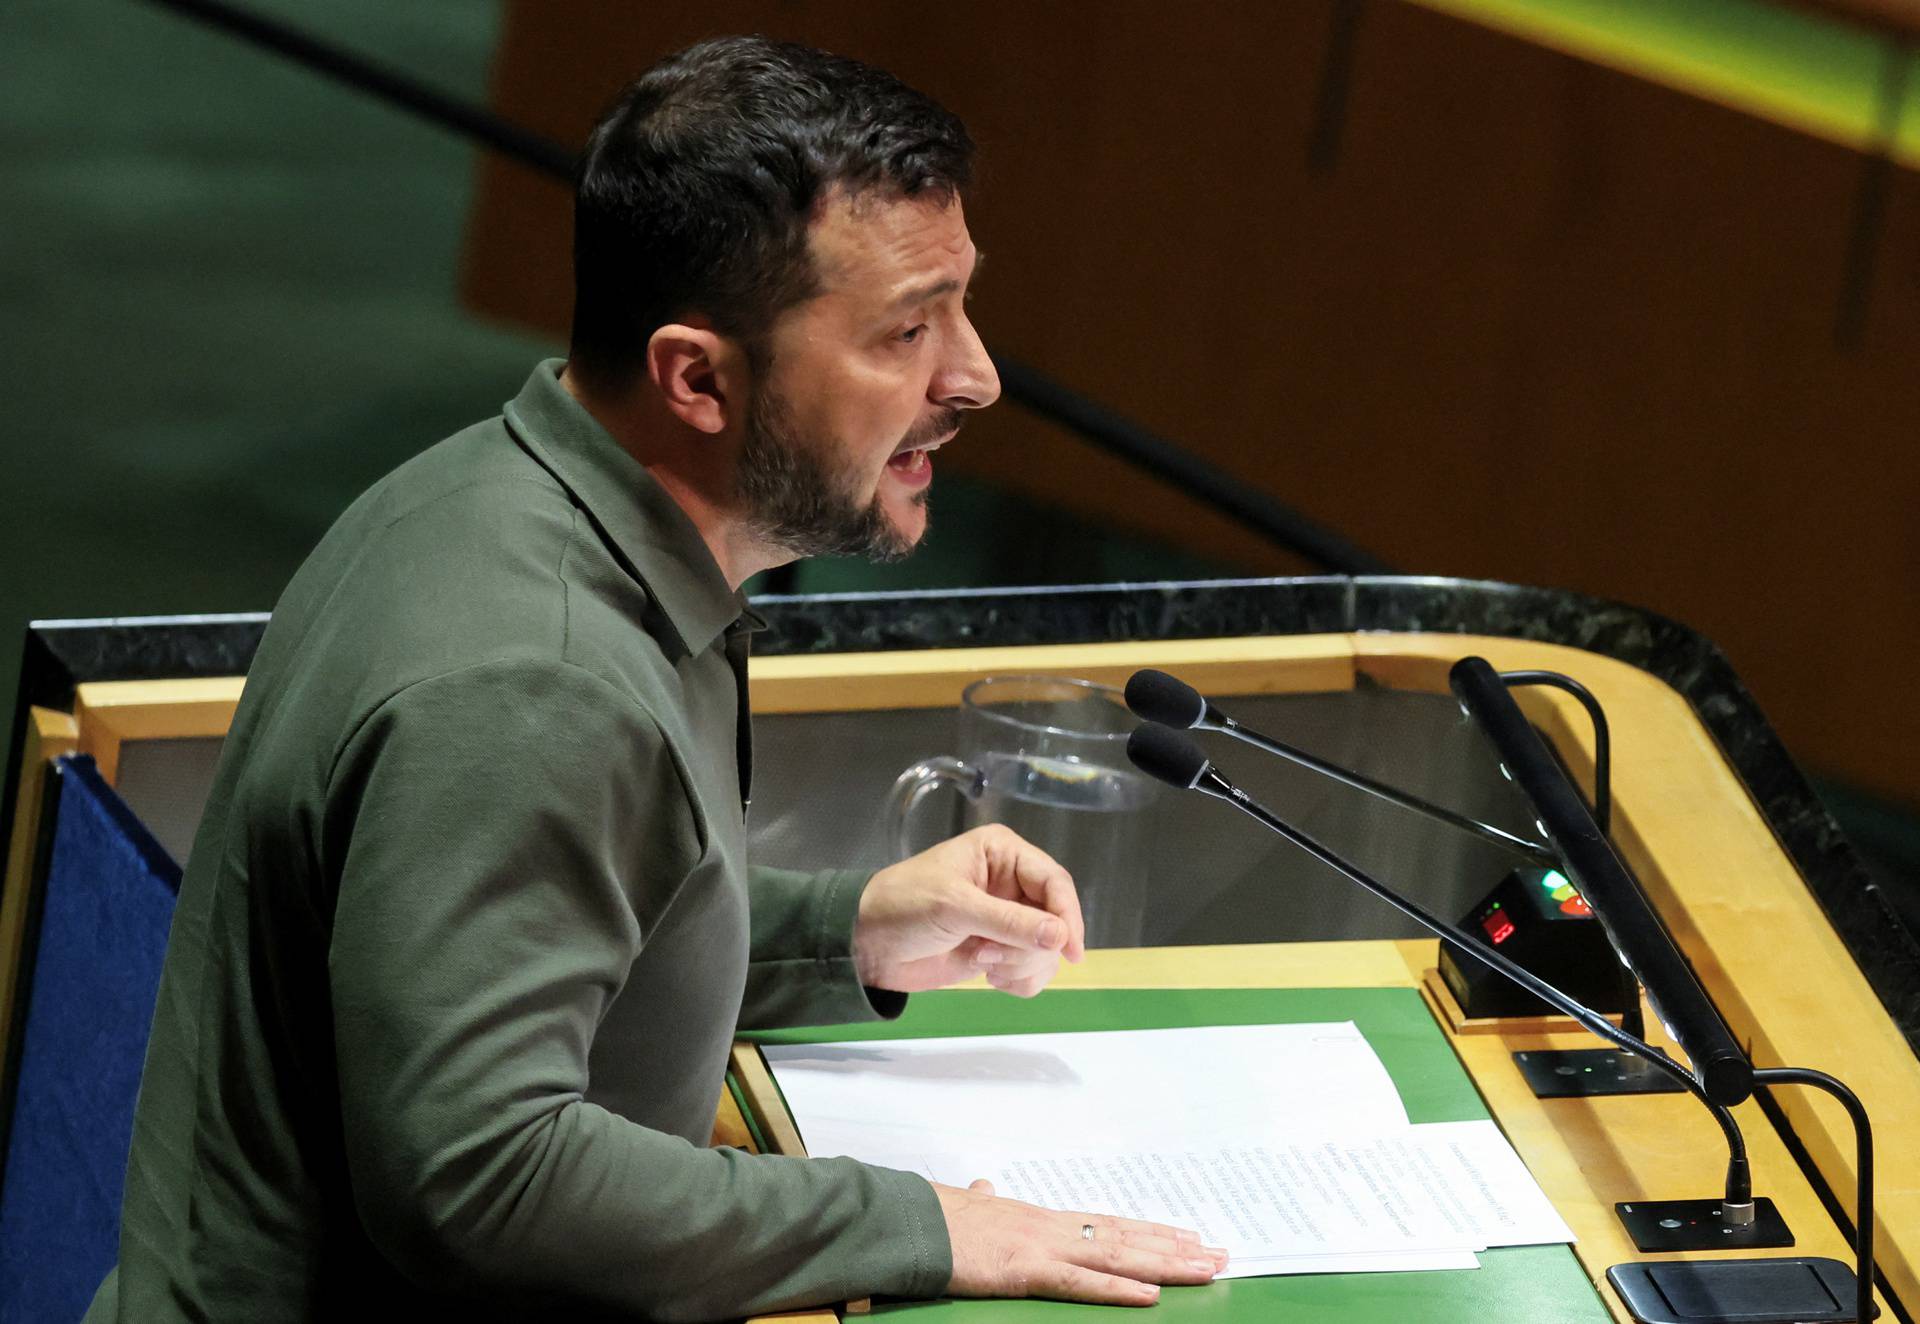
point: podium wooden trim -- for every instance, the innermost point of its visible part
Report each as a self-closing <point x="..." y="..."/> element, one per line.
<point x="933" y="678"/>
<point x="49" y="734"/>
<point x="108" y="713"/>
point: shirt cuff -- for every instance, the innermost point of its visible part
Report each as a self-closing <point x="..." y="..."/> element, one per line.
<point x="820" y="982"/>
<point x="840" y="910"/>
<point x="922" y="1232"/>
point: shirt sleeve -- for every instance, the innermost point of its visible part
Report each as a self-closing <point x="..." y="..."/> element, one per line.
<point x="801" y="969"/>
<point x="505" y="835"/>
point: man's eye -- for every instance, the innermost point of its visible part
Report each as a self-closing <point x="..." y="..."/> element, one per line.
<point x="912" y="334"/>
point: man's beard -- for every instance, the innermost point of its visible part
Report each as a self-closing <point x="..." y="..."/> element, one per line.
<point x="796" y="501"/>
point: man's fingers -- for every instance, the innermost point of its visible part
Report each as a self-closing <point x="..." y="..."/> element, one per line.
<point x="1071" y="1282"/>
<point x="1038" y="877"/>
<point x="1024" y="986"/>
<point x="1108" y="1227"/>
<point x="1145" y="1266"/>
<point x="1006" y="1248"/>
<point x="1156" y="1244"/>
<point x="1047" y="884"/>
<point x="980" y="952"/>
<point x="1010" y="922"/>
<point x="1016" y="962"/>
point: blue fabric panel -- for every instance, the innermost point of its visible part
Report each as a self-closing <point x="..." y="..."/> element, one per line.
<point x="109" y="897"/>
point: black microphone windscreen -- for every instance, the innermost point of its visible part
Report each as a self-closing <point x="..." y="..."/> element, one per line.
<point x="1165" y="754"/>
<point x="1154" y="696"/>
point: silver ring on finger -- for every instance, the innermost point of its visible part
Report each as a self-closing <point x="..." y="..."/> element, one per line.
<point x="1086" y="1232"/>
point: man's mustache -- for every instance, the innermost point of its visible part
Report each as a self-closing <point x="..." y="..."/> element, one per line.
<point x="943" y="424"/>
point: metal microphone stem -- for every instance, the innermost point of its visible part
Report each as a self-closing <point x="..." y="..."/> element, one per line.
<point x="1534" y="851"/>
<point x="1739" y="1197"/>
<point x="1862" y="1169"/>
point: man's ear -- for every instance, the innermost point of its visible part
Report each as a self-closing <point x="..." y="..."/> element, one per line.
<point x="696" y="371"/>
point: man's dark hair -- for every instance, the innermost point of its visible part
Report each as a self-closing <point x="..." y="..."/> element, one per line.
<point x="697" y="187"/>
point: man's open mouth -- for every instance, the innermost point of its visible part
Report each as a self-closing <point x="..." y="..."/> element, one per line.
<point x="914" y="460"/>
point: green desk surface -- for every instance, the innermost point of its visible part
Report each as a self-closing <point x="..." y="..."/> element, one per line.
<point x="1534" y="1284"/>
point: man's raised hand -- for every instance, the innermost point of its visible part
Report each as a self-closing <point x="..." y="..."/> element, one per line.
<point x="985" y="901"/>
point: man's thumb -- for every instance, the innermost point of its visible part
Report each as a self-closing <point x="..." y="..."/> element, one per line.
<point x="1016" y="925"/>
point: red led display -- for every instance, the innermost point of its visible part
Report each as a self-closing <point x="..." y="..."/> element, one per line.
<point x="1499" y="928"/>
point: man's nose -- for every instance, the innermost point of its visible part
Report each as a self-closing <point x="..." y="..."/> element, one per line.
<point x="968" y="380"/>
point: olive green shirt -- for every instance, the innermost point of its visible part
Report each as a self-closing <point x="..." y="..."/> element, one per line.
<point x="468" y="928"/>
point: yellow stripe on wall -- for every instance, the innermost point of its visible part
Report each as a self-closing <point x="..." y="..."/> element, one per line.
<point x="1821" y="76"/>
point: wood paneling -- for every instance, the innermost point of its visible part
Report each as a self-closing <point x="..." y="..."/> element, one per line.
<point x="1542" y="322"/>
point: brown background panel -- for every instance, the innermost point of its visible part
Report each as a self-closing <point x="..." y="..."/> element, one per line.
<point x="1893" y="15"/>
<point x="1541" y="322"/>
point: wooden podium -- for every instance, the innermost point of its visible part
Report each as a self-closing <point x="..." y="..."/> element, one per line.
<point x="1740" y="910"/>
<point x="1796" y="975"/>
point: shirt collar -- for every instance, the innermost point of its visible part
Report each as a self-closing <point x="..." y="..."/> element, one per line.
<point x="649" y="533"/>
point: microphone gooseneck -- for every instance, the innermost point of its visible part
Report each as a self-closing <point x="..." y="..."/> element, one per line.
<point x="1155" y="696"/>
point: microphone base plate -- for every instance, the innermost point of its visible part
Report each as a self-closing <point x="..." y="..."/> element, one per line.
<point x="1580" y="1073"/>
<point x="1665" y="1226"/>
<point x="1784" y="1291"/>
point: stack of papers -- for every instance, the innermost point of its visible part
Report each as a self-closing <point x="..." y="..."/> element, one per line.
<point x="1286" y="1144"/>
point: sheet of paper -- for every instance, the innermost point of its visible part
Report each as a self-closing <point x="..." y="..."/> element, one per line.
<point x="1416" y="1196"/>
<point x="1286" y="1144"/>
<point x="1470" y="1167"/>
<point x="1194" y="1191"/>
<point x="1113" y="1089"/>
<point x="1274" y="1266"/>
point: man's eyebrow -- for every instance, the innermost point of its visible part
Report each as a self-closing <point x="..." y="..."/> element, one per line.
<point x="927" y="293"/>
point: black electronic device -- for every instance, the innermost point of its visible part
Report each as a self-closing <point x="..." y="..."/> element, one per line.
<point x="1583" y="1073"/>
<point x="1539" y="920"/>
<point x="1659" y="1226"/>
<point x="1788" y="1291"/>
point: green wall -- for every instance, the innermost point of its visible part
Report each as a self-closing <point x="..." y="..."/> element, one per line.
<point x="228" y="298"/>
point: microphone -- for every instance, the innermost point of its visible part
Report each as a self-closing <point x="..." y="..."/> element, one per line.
<point x="1166" y="755"/>
<point x="1637" y="933"/>
<point x="1155" y="696"/>
<point x="1169" y="756"/>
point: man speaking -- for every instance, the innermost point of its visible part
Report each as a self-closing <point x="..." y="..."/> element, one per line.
<point x="469" y="925"/>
